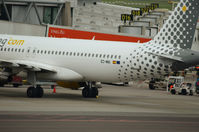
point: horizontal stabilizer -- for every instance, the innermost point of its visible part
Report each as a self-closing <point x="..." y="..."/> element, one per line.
<point x="168" y="57"/>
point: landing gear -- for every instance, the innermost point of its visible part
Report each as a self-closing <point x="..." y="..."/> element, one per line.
<point x="33" y="92"/>
<point x="151" y="85"/>
<point x="1" y="84"/>
<point x="15" y="85"/>
<point x="89" y="91"/>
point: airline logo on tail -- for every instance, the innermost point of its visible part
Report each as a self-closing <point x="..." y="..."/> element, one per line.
<point x="184" y="8"/>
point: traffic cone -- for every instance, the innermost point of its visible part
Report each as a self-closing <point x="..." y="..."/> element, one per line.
<point x="54" y="89"/>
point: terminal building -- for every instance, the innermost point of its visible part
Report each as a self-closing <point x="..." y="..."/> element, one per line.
<point x="34" y="17"/>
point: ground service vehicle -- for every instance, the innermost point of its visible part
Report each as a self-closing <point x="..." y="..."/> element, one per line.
<point x="157" y="83"/>
<point x="176" y="85"/>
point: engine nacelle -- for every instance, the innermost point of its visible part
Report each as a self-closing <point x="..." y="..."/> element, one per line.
<point x="61" y="74"/>
<point x="72" y="85"/>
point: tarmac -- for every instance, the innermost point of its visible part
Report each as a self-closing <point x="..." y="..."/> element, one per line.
<point x="118" y="108"/>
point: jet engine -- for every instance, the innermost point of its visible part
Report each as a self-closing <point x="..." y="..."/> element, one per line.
<point x="72" y="85"/>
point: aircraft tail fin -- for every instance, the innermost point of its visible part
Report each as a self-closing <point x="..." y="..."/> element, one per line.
<point x="179" y="29"/>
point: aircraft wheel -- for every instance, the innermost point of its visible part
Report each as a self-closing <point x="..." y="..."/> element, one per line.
<point x="31" y="92"/>
<point x="35" y="92"/>
<point x="85" y="92"/>
<point x="40" y="91"/>
<point x="191" y="93"/>
<point x="173" y="91"/>
<point x="184" y="92"/>
<point x="90" y="93"/>
<point x="1" y="84"/>
<point x="151" y="85"/>
<point x="15" y="85"/>
<point x="94" y="92"/>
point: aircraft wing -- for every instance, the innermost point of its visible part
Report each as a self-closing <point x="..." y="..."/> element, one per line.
<point x="48" y="71"/>
<point x="32" y="66"/>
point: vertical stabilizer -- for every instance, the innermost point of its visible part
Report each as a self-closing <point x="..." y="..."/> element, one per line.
<point x="179" y="29"/>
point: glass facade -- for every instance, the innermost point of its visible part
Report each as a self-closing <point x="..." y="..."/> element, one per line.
<point x="49" y="14"/>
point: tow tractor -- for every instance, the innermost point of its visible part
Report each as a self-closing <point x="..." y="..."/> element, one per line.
<point x="157" y="83"/>
<point x="176" y="85"/>
<point x="173" y="84"/>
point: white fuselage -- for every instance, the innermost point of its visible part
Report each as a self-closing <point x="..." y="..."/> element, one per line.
<point x="103" y="61"/>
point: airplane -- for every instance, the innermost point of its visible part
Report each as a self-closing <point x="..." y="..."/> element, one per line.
<point x="82" y="63"/>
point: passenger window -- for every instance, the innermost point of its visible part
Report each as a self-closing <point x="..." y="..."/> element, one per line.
<point x="111" y="56"/>
<point x="55" y="52"/>
<point x="100" y="55"/>
<point x="71" y="53"/>
<point x="96" y="55"/>
<point x="59" y="52"/>
<point x="19" y="50"/>
<point x="66" y="53"/>
<point x="12" y="49"/>
<point x="63" y="53"/>
<point x="5" y="49"/>
<point x="107" y="56"/>
<point x="16" y="50"/>
<point x="52" y="52"/>
<point x="85" y="54"/>
<point x="45" y="52"/>
<point x="77" y="54"/>
<point x="93" y="55"/>
<point x="33" y="51"/>
<point x="8" y="49"/>
<point x="48" y="52"/>
<point x="119" y="57"/>
<point x="89" y="55"/>
<point x="22" y="50"/>
<point x="74" y="54"/>
<point x="82" y="54"/>
<point x="37" y="51"/>
<point x="1" y="49"/>
<point x="115" y="56"/>
<point x="41" y="51"/>
<point x="104" y="56"/>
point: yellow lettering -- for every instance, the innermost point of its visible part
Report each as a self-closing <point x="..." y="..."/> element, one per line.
<point x="15" y="42"/>
<point x="20" y="42"/>
<point x="9" y="41"/>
